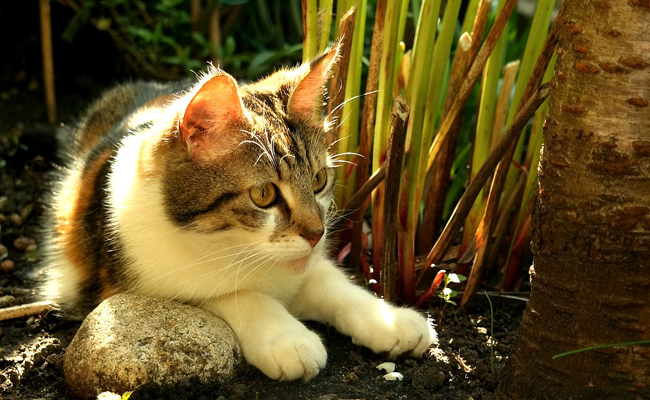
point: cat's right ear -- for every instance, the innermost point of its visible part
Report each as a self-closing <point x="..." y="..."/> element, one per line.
<point x="213" y="118"/>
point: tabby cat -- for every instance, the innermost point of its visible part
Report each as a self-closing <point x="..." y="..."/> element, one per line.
<point x="218" y="195"/>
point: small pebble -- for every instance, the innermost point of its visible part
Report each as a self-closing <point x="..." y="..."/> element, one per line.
<point x="3" y="252"/>
<point x="3" y="202"/>
<point x="394" y="376"/>
<point x="386" y="366"/>
<point x="24" y="213"/>
<point x="2" y="218"/>
<point x="108" y="396"/>
<point x="15" y="219"/>
<point x="22" y="243"/>
<point x="352" y="377"/>
<point x="31" y="248"/>
<point x="7" y="266"/>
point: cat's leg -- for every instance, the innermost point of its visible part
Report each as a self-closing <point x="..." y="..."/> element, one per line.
<point x="271" y="339"/>
<point x="328" y="296"/>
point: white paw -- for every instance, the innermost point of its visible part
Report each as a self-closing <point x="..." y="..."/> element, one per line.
<point x="394" y="331"/>
<point x="297" y="354"/>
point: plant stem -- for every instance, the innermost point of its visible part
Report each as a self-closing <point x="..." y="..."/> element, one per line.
<point x="536" y="38"/>
<point x="340" y="76"/>
<point x="325" y="24"/>
<point x="483" y="136"/>
<point x="491" y="334"/>
<point x="418" y="88"/>
<point x="437" y="180"/>
<point x="349" y="125"/>
<point x="463" y="206"/>
<point x="367" y="127"/>
<point x="310" y="29"/>
<point x="384" y="96"/>
<point x="364" y="191"/>
<point x="396" y="139"/>
<point x="472" y="77"/>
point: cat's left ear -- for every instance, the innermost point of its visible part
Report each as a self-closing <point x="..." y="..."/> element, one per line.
<point x="306" y="99"/>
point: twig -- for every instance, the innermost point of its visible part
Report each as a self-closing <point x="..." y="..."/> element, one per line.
<point x="466" y="201"/>
<point x="195" y="13"/>
<point x="215" y="33"/>
<point x="48" y="62"/>
<point x="396" y="139"/>
<point x="362" y="194"/>
<point x="24" y="310"/>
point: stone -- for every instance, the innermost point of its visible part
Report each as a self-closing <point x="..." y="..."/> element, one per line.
<point x="130" y="340"/>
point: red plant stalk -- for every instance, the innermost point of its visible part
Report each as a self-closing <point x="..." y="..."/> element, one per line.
<point x="434" y="285"/>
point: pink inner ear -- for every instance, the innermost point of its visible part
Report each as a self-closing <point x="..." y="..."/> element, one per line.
<point x="216" y="107"/>
<point x="307" y="97"/>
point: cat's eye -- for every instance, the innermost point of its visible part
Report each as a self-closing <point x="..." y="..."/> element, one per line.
<point x="319" y="180"/>
<point x="264" y="195"/>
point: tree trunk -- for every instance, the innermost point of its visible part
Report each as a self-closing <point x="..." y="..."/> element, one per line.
<point x="591" y="222"/>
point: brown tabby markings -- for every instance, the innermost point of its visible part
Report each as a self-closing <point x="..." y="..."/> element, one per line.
<point x="70" y="224"/>
<point x="103" y="115"/>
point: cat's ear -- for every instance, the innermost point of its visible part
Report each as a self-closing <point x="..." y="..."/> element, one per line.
<point x="213" y="117"/>
<point x="306" y="99"/>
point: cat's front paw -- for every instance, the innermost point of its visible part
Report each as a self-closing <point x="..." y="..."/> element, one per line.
<point x="393" y="331"/>
<point x="292" y="355"/>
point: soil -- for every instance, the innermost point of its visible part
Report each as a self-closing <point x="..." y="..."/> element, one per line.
<point x="460" y="366"/>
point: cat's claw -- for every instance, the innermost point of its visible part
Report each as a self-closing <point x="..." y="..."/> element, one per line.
<point x="401" y="330"/>
<point x="292" y="355"/>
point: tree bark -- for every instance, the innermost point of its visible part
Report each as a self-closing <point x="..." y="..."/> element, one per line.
<point x="591" y="221"/>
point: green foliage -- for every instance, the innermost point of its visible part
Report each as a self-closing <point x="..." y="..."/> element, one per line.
<point x="491" y="333"/>
<point x="602" y="346"/>
<point x="447" y="294"/>
<point x="159" y="39"/>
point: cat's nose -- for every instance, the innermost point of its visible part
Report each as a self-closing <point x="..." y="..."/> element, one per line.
<point x="312" y="235"/>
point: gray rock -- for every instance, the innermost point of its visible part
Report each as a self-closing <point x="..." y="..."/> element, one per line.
<point x="128" y="341"/>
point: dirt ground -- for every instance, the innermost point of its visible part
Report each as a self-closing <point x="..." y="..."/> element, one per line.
<point x="460" y="367"/>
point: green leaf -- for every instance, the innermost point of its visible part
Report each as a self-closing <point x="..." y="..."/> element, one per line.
<point x="142" y="33"/>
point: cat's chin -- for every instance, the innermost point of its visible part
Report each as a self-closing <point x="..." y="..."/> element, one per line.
<point x="298" y="264"/>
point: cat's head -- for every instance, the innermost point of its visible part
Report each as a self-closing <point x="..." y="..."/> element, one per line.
<point x="252" y="161"/>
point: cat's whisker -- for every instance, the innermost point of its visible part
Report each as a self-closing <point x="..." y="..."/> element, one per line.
<point x="286" y="155"/>
<point x="350" y="99"/>
<point x="337" y="140"/>
<point x="268" y="270"/>
<point x="344" y="162"/>
<point x="226" y="278"/>
<point x="203" y="260"/>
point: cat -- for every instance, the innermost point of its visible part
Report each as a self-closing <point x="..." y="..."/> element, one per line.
<point x="218" y="195"/>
